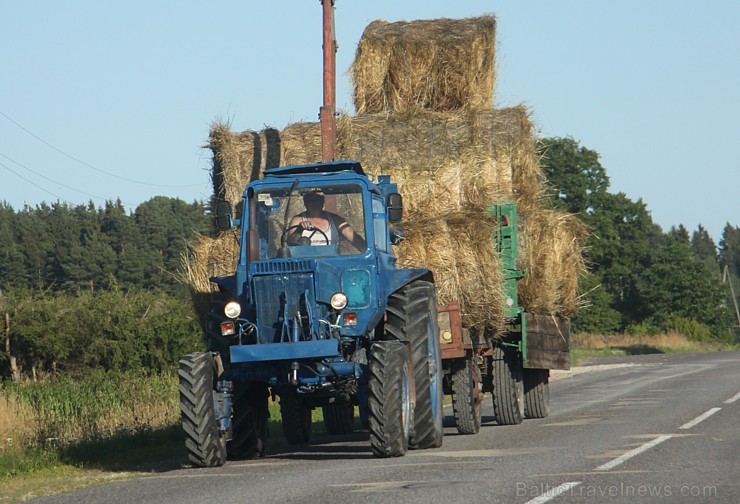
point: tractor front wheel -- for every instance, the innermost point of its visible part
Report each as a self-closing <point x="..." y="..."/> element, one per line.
<point x="411" y="315"/>
<point x="249" y="426"/>
<point x="206" y="446"/>
<point x="339" y="418"/>
<point x="296" y="419"/>
<point x="389" y="399"/>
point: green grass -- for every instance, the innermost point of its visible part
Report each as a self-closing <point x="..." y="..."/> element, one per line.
<point x="591" y="345"/>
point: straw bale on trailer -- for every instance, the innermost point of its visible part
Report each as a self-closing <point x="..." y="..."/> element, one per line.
<point x="207" y="257"/>
<point x="439" y="64"/>
<point x="235" y="157"/>
<point x="457" y="247"/>
<point x="551" y="243"/>
<point x="239" y="158"/>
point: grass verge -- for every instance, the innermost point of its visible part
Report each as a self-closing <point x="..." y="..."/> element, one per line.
<point x="598" y="345"/>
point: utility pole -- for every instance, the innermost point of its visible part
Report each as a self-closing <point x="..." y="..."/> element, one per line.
<point x="14" y="371"/>
<point x="327" y="113"/>
<point x="726" y="278"/>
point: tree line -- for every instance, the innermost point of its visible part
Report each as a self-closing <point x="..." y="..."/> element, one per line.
<point x="85" y="287"/>
<point x="66" y="248"/>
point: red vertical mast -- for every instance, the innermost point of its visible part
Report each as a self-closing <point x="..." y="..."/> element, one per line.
<point x="328" y="110"/>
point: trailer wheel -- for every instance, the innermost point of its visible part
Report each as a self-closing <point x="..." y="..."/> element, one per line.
<point x="296" y="419"/>
<point x="206" y="446"/>
<point x="339" y="418"/>
<point x="508" y="388"/>
<point x="411" y="315"/>
<point x="249" y="425"/>
<point x="536" y="393"/>
<point x="389" y="399"/>
<point x="466" y="396"/>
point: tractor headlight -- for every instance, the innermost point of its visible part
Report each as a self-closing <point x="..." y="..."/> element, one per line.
<point x="232" y="309"/>
<point x="338" y="301"/>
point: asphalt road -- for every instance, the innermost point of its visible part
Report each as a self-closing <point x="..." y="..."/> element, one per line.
<point x="657" y="428"/>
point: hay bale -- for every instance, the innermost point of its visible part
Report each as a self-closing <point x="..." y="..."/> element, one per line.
<point x="551" y="246"/>
<point x="235" y="158"/>
<point x="239" y="158"/>
<point x="207" y="257"/>
<point x="439" y="64"/>
<point x="448" y="160"/>
<point x="457" y="247"/>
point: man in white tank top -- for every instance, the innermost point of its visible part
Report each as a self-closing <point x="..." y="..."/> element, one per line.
<point x="321" y="227"/>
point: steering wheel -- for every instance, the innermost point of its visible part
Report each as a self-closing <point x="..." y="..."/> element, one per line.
<point x="303" y="240"/>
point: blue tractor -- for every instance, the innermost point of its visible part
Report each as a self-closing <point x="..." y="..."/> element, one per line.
<point x="319" y="315"/>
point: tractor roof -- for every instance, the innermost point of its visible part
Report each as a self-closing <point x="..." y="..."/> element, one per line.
<point x="316" y="168"/>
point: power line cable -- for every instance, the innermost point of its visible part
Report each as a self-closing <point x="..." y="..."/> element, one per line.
<point x="88" y="164"/>
<point x="33" y="183"/>
<point x="57" y="182"/>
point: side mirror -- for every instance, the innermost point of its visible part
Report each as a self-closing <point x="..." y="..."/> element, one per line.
<point x="394" y="204"/>
<point x="396" y="235"/>
<point x="223" y="215"/>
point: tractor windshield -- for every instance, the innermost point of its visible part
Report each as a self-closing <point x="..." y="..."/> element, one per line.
<point x="310" y="221"/>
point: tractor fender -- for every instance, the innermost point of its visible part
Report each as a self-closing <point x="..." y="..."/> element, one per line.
<point x="225" y="283"/>
<point x="399" y="278"/>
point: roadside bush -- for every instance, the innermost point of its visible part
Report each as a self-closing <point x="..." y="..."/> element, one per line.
<point x="690" y="328"/>
<point x="109" y="330"/>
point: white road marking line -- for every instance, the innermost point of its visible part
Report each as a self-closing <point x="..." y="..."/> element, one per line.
<point x="700" y="418"/>
<point x="628" y="455"/>
<point x="733" y="398"/>
<point x="551" y="494"/>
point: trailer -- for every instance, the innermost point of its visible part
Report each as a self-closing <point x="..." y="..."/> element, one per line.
<point x="513" y="366"/>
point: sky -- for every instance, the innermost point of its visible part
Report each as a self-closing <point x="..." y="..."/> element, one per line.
<point x="106" y="100"/>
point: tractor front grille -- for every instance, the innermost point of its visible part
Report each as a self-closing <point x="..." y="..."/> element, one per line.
<point x="282" y="266"/>
<point x="276" y="295"/>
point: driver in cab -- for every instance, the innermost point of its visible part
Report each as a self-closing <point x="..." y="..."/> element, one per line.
<point x="316" y="226"/>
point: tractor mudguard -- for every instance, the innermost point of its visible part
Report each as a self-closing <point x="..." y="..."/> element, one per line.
<point x="225" y="283"/>
<point x="399" y="278"/>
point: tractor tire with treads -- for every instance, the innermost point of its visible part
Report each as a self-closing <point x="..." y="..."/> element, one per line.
<point x="296" y="419"/>
<point x="206" y="447"/>
<point x="508" y="387"/>
<point x="466" y="396"/>
<point x="411" y="315"/>
<point x="249" y="423"/>
<point x="536" y="393"/>
<point x="339" y="418"/>
<point x="389" y="400"/>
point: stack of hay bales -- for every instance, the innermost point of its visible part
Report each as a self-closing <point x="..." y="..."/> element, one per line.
<point x="423" y="91"/>
<point x="439" y="64"/>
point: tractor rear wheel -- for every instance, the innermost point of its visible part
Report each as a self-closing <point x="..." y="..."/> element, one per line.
<point x="339" y="418"/>
<point x="249" y="424"/>
<point x="508" y="388"/>
<point x="411" y="315"/>
<point x="466" y="396"/>
<point x="389" y="399"/>
<point x="536" y="393"/>
<point x="296" y="419"/>
<point x="206" y="446"/>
